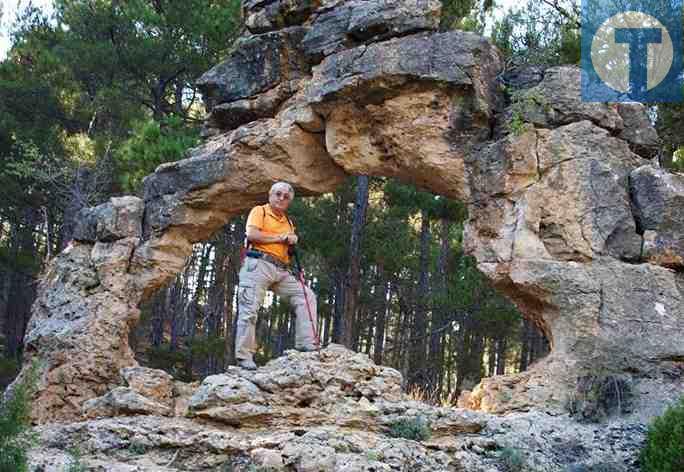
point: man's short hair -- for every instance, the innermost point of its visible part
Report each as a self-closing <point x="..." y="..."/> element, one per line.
<point x="283" y="185"/>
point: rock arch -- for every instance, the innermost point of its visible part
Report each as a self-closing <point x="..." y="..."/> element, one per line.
<point x="562" y="206"/>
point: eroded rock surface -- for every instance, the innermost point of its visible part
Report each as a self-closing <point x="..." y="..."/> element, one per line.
<point x="658" y="199"/>
<point x="303" y="411"/>
<point x="332" y="412"/>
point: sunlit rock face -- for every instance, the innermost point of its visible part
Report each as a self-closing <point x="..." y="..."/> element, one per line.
<point x="566" y="215"/>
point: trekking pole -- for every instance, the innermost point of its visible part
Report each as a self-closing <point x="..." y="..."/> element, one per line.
<point x="306" y="299"/>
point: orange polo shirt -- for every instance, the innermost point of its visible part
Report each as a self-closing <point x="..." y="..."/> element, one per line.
<point x="263" y="217"/>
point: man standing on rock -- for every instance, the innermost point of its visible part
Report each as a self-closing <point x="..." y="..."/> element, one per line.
<point x="270" y="233"/>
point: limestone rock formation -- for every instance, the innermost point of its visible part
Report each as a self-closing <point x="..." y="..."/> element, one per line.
<point x="303" y="411"/>
<point x="86" y="305"/>
<point x="303" y="390"/>
<point x="268" y="65"/>
<point x="336" y="412"/>
<point x="361" y="22"/>
<point x="565" y="213"/>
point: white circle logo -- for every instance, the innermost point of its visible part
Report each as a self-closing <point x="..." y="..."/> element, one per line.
<point x="611" y="59"/>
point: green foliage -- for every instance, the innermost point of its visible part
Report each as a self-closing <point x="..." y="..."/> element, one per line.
<point x="75" y="83"/>
<point x="525" y="103"/>
<point x="75" y="464"/>
<point x="141" y="52"/>
<point x="512" y="459"/>
<point x="664" y="449"/>
<point x="538" y="34"/>
<point x="597" y="396"/>
<point x="177" y="362"/>
<point x="670" y="127"/>
<point x="136" y="448"/>
<point x="467" y="15"/>
<point x="517" y="124"/>
<point x="150" y="145"/>
<point x="15" y="439"/>
<point x="9" y="368"/>
<point x="173" y="362"/>
<point x="211" y="346"/>
<point x="416" y="428"/>
<point x="677" y="163"/>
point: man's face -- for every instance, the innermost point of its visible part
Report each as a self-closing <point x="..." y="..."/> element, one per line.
<point x="280" y="198"/>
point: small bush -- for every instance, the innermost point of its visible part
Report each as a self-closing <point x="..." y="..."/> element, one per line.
<point x="512" y="459"/>
<point x="517" y="124"/>
<point x="75" y="464"/>
<point x="417" y="429"/>
<point x="136" y="448"/>
<point x="9" y="368"/>
<point x="599" y="396"/>
<point x="15" y="439"/>
<point x="173" y="362"/>
<point x="664" y="449"/>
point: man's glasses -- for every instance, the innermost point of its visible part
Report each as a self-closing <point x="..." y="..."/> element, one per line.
<point x="284" y="195"/>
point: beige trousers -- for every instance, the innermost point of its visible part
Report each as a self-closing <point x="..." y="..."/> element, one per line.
<point x="256" y="276"/>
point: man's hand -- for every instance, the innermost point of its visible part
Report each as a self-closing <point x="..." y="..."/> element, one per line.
<point x="291" y="238"/>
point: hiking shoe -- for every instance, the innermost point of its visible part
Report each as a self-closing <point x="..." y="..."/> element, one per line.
<point x="246" y="364"/>
<point x="306" y="349"/>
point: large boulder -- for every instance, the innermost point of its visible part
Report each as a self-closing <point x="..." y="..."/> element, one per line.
<point x="257" y="64"/>
<point x="117" y="219"/>
<point x="333" y="387"/>
<point x="658" y="200"/>
<point x="411" y="107"/>
<point x="261" y="16"/>
<point x="77" y="336"/>
<point x="354" y="22"/>
<point x="556" y="100"/>
<point x="558" y="194"/>
<point x="375" y="72"/>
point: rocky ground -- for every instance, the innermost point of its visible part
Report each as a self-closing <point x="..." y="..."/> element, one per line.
<point x="333" y="411"/>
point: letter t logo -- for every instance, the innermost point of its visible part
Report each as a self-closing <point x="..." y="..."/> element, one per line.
<point x="638" y="40"/>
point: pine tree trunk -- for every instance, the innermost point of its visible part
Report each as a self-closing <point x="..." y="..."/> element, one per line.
<point x="20" y="283"/>
<point x="174" y="305"/>
<point x="491" y="358"/>
<point x="216" y="303"/>
<point x="352" y="284"/>
<point x="501" y="347"/>
<point x="382" y="291"/>
<point x="436" y="362"/>
<point x="338" y="313"/>
<point x="238" y="236"/>
<point x="157" y="308"/>
<point x="418" y="368"/>
<point x="524" y="346"/>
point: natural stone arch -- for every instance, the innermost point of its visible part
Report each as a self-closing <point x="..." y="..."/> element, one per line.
<point x="550" y="204"/>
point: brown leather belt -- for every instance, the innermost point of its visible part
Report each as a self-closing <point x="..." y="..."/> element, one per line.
<point x="273" y="260"/>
